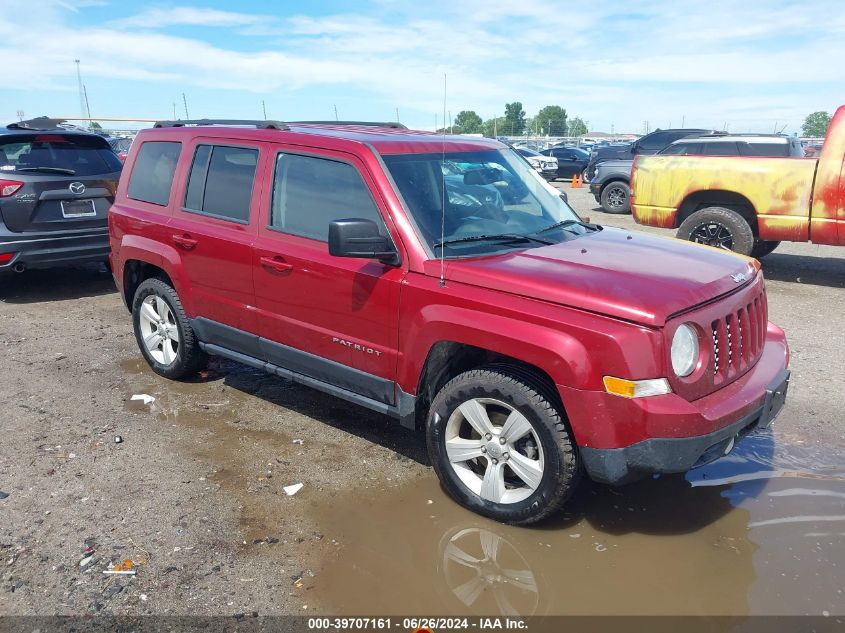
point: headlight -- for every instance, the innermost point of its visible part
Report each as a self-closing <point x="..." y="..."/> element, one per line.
<point x="684" y="350"/>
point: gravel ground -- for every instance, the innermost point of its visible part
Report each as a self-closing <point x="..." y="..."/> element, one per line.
<point x="193" y="491"/>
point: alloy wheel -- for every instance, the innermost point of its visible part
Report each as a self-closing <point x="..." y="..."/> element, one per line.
<point x="494" y="450"/>
<point x="158" y="330"/>
<point x="713" y="234"/>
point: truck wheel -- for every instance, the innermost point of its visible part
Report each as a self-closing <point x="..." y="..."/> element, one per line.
<point x="163" y="331"/>
<point x="719" y="227"/>
<point x="616" y="197"/>
<point x="500" y="446"/>
<point x="763" y="247"/>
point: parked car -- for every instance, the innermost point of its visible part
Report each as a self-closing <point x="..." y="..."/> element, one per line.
<point x="546" y="165"/>
<point x="735" y="145"/>
<point x="812" y="151"/>
<point x="611" y="185"/>
<point x="746" y="204"/>
<point x="649" y="144"/>
<point x="56" y="186"/>
<point x="571" y="161"/>
<point x="611" y="181"/>
<point x="530" y="346"/>
<point x="120" y="145"/>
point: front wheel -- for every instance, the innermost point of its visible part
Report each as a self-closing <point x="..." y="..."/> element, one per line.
<point x="500" y="446"/>
<point x="719" y="227"/>
<point x="616" y="197"/>
<point x="163" y="331"/>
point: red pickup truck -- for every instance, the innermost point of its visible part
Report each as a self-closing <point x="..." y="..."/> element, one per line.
<point x="441" y="281"/>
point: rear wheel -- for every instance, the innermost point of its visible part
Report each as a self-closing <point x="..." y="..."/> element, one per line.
<point x="500" y="447"/>
<point x="718" y="227"/>
<point x="163" y="331"/>
<point x="763" y="247"/>
<point x="616" y="197"/>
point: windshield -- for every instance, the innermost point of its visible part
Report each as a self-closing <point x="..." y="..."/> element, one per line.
<point x="488" y="193"/>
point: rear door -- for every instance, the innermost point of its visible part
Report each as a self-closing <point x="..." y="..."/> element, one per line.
<point x="331" y="318"/>
<point x="213" y="227"/>
<point x="56" y="181"/>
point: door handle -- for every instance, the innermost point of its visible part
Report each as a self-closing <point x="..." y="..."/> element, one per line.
<point x="184" y="241"/>
<point x="277" y="264"/>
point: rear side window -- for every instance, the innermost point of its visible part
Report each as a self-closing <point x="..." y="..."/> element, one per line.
<point x="72" y="155"/>
<point x="728" y="148"/>
<point x="221" y="180"/>
<point x="764" y="149"/>
<point x="152" y="175"/>
<point x="655" y="141"/>
<point x="309" y="193"/>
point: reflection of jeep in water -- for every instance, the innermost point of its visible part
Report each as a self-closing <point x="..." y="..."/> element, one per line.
<point x="530" y="346"/>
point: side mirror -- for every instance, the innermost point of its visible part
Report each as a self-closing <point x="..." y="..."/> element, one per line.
<point x="356" y="237"/>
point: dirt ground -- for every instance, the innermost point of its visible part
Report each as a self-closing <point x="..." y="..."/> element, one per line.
<point x="193" y="491"/>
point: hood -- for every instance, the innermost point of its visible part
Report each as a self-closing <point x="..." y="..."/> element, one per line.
<point x="624" y="274"/>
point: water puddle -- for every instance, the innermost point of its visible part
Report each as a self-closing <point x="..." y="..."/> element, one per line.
<point x="760" y="532"/>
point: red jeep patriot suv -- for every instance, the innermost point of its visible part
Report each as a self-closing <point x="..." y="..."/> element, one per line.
<point x="441" y="281"/>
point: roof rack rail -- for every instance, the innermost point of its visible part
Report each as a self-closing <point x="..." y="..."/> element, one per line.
<point x="389" y="124"/>
<point x="261" y="124"/>
<point x="41" y="123"/>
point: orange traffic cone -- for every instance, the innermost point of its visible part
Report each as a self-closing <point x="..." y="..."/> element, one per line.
<point x="574" y="181"/>
<point x="580" y="181"/>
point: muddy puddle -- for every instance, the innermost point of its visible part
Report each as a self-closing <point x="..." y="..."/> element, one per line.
<point x="759" y="532"/>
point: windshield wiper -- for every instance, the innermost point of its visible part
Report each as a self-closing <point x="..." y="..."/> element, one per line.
<point x="563" y="224"/>
<point x="504" y="237"/>
<point x="52" y="170"/>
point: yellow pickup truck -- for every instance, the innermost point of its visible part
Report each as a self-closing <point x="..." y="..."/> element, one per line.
<point x="747" y="204"/>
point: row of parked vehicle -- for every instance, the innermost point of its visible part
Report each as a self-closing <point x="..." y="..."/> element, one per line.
<point x="442" y="282"/>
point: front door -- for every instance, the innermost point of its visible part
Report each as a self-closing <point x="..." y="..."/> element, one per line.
<point x="331" y="318"/>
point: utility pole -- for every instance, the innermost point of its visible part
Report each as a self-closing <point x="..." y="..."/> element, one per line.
<point x="264" y="109"/>
<point x="174" y="110"/>
<point x="335" y="112"/>
<point x="435" y="121"/>
<point x="20" y="114"/>
<point x="451" y="127"/>
<point x="185" y="102"/>
<point x="683" y="119"/>
<point x="80" y="88"/>
<point x="87" y="106"/>
<point x="397" y="115"/>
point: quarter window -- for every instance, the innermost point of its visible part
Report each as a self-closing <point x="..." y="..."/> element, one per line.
<point x="152" y="175"/>
<point x="309" y="193"/>
<point x="220" y="182"/>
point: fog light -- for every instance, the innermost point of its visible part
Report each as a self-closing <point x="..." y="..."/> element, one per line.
<point x="636" y="388"/>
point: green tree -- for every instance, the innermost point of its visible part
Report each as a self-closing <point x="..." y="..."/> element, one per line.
<point x="494" y="127"/>
<point x="577" y="127"/>
<point x="552" y="120"/>
<point x="514" y="119"/>
<point x="816" y="124"/>
<point x="468" y="122"/>
<point x="93" y="125"/>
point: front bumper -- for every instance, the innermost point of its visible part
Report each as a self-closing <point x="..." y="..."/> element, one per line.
<point x="54" y="248"/>
<point x="595" y="189"/>
<point x="621" y="440"/>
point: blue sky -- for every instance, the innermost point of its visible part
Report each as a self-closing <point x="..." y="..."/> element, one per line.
<point x="749" y="65"/>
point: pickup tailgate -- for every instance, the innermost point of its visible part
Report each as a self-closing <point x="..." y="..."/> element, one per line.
<point x="779" y="189"/>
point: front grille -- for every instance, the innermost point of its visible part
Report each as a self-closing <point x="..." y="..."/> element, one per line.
<point x="738" y="339"/>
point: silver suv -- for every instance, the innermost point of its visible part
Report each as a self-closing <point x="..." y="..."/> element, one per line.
<point x="736" y="145"/>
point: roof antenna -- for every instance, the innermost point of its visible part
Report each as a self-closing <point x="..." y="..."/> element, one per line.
<point x="443" y="193"/>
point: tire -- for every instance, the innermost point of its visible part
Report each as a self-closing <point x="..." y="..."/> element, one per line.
<point x="762" y="248"/>
<point x="719" y="227"/>
<point x="543" y="449"/>
<point x="616" y="197"/>
<point x="178" y="355"/>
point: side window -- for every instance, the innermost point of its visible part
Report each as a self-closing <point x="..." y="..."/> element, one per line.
<point x="682" y="149"/>
<point x="716" y="148"/>
<point x="220" y="182"/>
<point x="764" y="149"/>
<point x="655" y="141"/>
<point x="309" y="193"/>
<point x="152" y="175"/>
